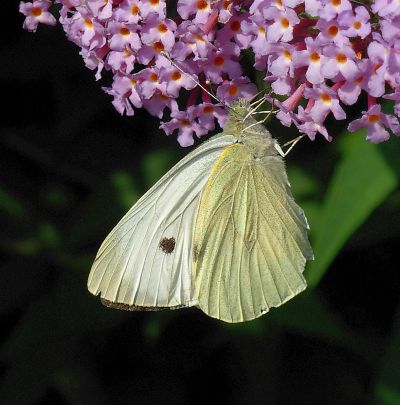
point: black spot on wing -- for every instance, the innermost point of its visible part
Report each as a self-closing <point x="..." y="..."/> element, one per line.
<point x="167" y="245"/>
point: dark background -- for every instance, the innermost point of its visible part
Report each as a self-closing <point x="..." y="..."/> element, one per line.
<point x="71" y="167"/>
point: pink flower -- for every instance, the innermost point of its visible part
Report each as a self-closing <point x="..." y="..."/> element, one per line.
<point x="325" y="101"/>
<point x="175" y="80"/>
<point x="340" y="60"/>
<point x="159" y="31"/>
<point x="102" y="9"/>
<point x="376" y="123"/>
<point x="123" y="36"/>
<point x="35" y="13"/>
<point x="355" y="25"/>
<point x="241" y="87"/>
<point x="125" y="90"/>
<point x="219" y="62"/>
<point x="312" y="58"/>
<point x="282" y="26"/>
<point x="200" y="8"/>
<point x="186" y="126"/>
<point x="328" y="60"/>
<point x="129" y="11"/>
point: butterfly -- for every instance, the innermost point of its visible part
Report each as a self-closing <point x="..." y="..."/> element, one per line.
<point x="220" y="231"/>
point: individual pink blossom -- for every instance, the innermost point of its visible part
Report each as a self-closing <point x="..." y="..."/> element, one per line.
<point x="102" y="9"/>
<point x="325" y="101"/>
<point x="159" y="31"/>
<point x="125" y="90"/>
<point x="283" y="23"/>
<point x="241" y="87"/>
<point x="129" y="11"/>
<point x="201" y="9"/>
<point x="376" y="124"/>
<point x="355" y="25"/>
<point x="313" y="59"/>
<point x="332" y="8"/>
<point x="222" y="62"/>
<point x="175" y="80"/>
<point x="186" y="126"/>
<point x="123" y="36"/>
<point x="35" y="13"/>
<point x="340" y="61"/>
<point x="153" y="6"/>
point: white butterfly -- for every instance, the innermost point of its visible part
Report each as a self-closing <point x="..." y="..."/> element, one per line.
<point x="220" y="231"/>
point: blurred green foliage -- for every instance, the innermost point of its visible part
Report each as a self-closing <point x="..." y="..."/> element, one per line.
<point x="71" y="167"/>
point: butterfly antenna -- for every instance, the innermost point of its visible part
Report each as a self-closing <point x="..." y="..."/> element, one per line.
<point x="193" y="79"/>
<point x="255" y="98"/>
<point x="259" y="122"/>
<point x="256" y="105"/>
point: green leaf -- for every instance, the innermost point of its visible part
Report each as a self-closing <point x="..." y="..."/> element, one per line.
<point x="10" y="205"/>
<point x="126" y="190"/>
<point x="155" y="164"/>
<point x="387" y="389"/>
<point x="362" y="181"/>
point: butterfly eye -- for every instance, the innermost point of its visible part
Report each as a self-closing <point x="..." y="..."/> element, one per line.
<point x="167" y="245"/>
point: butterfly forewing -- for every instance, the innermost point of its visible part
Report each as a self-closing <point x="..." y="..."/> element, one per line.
<point x="250" y="239"/>
<point x="146" y="260"/>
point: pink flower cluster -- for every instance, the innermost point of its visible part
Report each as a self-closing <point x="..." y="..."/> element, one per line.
<point x="321" y="53"/>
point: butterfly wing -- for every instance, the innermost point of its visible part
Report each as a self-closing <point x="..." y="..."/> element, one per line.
<point x="250" y="238"/>
<point x="146" y="260"/>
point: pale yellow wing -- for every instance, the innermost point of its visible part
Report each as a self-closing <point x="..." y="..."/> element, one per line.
<point x="250" y="243"/>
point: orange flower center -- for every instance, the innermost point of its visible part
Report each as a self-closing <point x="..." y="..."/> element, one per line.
<point x="219" y="61"/>
<point x="153" y="77"/>
<point x="284" y="23"/>
<point x="162" y="28"/>
<point x="208" y="109"/>
<point x="201" y="5"/>
<point x="154" y="2"/>
<point x="356" y="25"/>
<point x="226" y="4"/>
<point x="336" y="3"/>
<point x="36" y="11"/>
<point x="325" y="98"/>
<point x="158" y="46"/>
<point x="287" y="54"/>
<point x="133" y="82"/>
<point x="124" y="31"/>
<point x="176" y="75"/>
<point x="359" y="80"/>
<point x="373" y="118"/>
<point x="261" y="30"/>
<point x="184" y="122"/>
<point x="89" y="23"/>
<point x="341" y="58"/>
<point x="199" y="38"/>
<point x="279" y="4"/>
<point x="314" y="56"/>
<point x="332" y="30"/>
<point x="135" y="10"/>
<point x="233" y="89"/>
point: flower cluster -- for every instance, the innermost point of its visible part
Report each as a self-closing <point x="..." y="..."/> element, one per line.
<point x="316" y="55"/>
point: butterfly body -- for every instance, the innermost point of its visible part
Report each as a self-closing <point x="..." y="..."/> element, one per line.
<point x="220" y="231"/>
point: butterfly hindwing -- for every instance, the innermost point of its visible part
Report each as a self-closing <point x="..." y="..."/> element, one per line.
<point x="250" y="239"/>
<point x="146" y="260"/>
